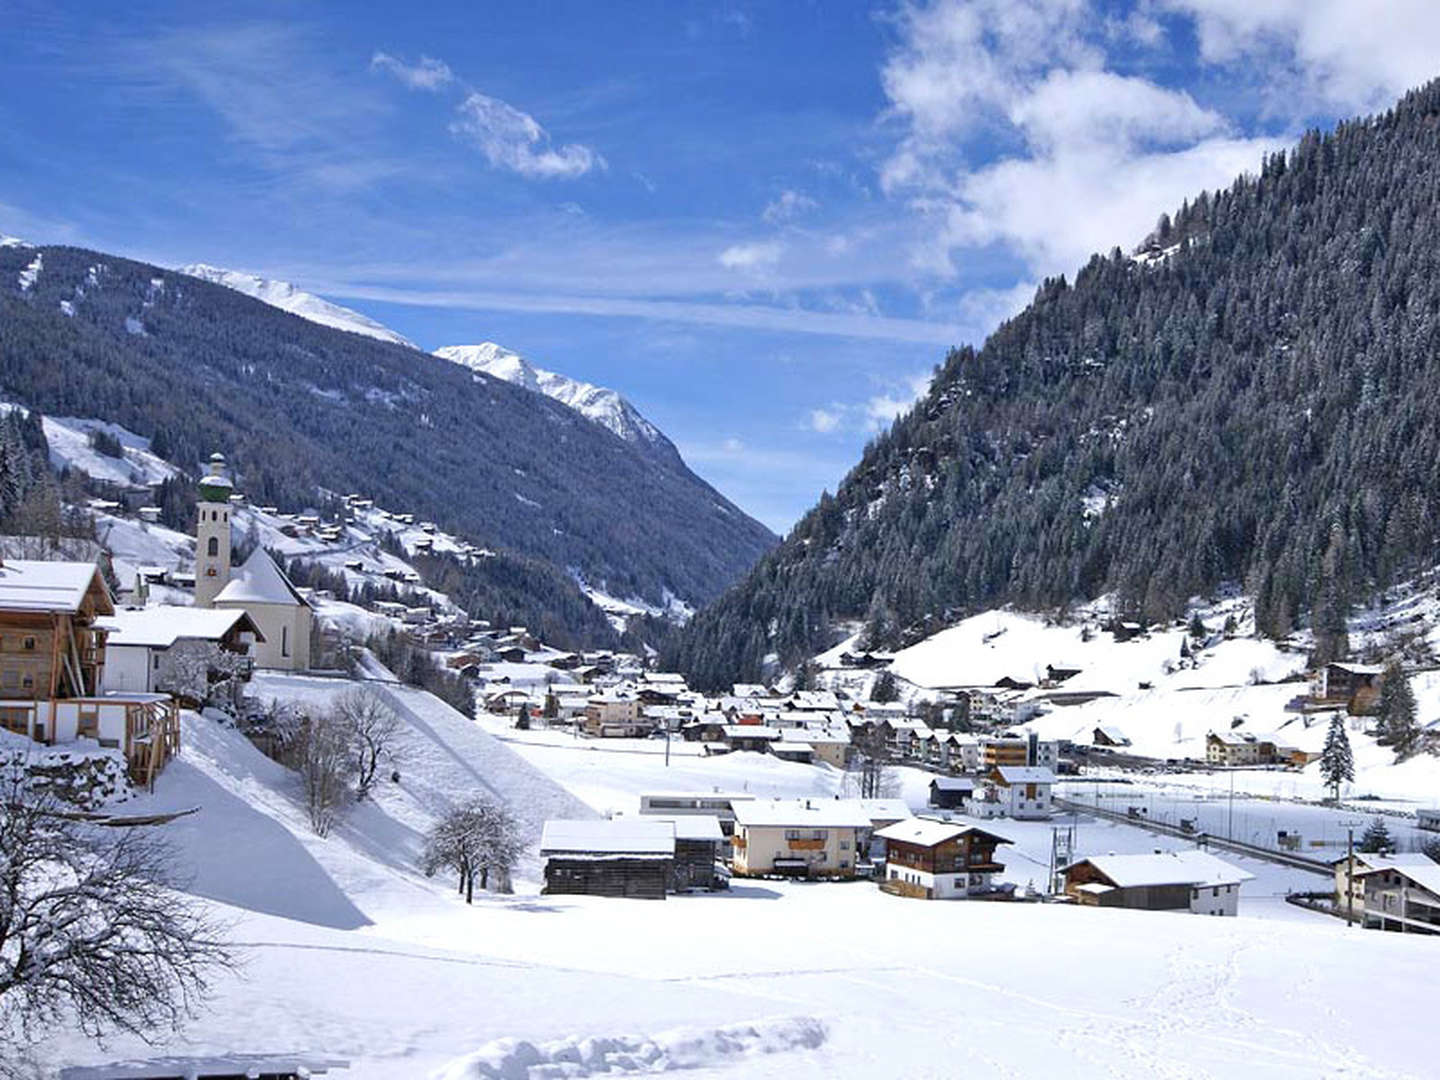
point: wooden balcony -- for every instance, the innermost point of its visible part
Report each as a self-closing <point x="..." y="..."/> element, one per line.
<point x="805" y="845"/>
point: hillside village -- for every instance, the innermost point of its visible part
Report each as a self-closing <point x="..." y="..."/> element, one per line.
<point x="1011" y="761"/>
<point x="391" y="712"/>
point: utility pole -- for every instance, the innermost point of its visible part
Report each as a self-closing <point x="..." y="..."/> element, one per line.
<point x="667" y="744"/>
<point x="1230" y="820"/>
<point x="1349" y="878"/>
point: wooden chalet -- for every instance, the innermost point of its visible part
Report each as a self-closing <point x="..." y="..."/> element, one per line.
<point x="939" y="860"/>
<point x="52" y="655"/>
<point x="950" y="792"/>
<point x="623" y="857"/>
<point x="1163" y="881"/>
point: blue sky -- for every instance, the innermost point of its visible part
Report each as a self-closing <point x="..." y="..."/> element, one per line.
<point x="764" y="223"/>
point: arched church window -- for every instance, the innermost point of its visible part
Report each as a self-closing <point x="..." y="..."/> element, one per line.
<point x="213" y="548"/>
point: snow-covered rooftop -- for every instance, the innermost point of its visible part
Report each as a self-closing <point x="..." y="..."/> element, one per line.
<point x="1025" y="774"/>
<point x="27" y="585"/>
<point x="927" y="832"/>
<point x="804" y="813"/>
<point x="259" y="581"/>
<point x="161" y="627"/>
<point x="1167" y="868"/>
<point x="618" y="836"/>
<point x="1422" y="871"/>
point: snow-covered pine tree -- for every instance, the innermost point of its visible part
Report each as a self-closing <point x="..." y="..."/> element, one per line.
<point x="1395" y="712"/>
<point x="1376" y="838"/>
<point x="1337" y="762"/>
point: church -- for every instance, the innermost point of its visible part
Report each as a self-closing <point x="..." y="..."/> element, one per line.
<point x="257" y="587"/>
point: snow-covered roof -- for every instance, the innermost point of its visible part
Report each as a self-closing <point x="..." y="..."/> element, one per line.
<point x="792" y="746"/>
<point x="751" y="731"/>
<point x="952" y="783"/>
<point x="1025" y="774"/>
<point x="692" y="826"/>
<point x="1359" y="669"/>
<point x="259" y="581"/>
<point x="29" y="585"/>
<point x="884" y="809"/>
<point x="927" y="832"/>
<point x="618" y="836"/>
<point x="1166" y="868"/>
<point x="803" y="813"/>
<point x="1422" y="872"/>
<point x="161" y="627"/>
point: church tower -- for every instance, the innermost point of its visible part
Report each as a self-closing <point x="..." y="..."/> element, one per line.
<point x="212" y="534"/>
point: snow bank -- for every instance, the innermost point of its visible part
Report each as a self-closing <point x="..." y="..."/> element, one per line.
<point x="682" y="1048"/>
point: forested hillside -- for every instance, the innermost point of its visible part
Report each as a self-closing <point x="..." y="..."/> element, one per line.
<point x="298" y="407"/>
<point x="1253" y="398"/>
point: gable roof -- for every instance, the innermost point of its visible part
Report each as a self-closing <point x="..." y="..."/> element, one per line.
<point x="32" y="585"/>
<point x="617" y="836"/>
<point x="801" y="813"/>
<point x="161" y="627"/>
<point x="927" y="832"/>
<point x="1025" y="774"/>
<point x="1425" y="874"/>
<point x="1165" y="868"/>
<point x="260" y="581"/>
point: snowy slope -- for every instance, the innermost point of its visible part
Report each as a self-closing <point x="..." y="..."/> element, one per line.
<point x="287" y="297"/>
<point x="350" y="954"/>
<point x="69" y="439"/>
<point x="604" y="406"/>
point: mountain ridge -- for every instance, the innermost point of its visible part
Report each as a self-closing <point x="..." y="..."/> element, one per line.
<point x="606" y="407"/>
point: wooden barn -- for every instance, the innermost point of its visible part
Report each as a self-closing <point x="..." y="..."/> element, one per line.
<point x="699" y="845"/>
<point x="629" y="857"/>
<point x="950" y="792"/>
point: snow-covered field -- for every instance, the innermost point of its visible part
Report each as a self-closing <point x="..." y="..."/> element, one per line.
<point x="348" y="952"/>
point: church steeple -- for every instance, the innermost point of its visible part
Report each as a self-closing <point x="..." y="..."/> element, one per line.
<point x="212" y="533"/>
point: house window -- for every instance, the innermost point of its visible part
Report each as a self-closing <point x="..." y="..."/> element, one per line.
<point x="1215" y="891"/>
<point x="844" y="845"/>
<point x="28" y="682"/>
<point x="155" y="663"/>
<point x="10" y="679"/>
<point x="29" y="644"/>
<point x="285" y="641"/>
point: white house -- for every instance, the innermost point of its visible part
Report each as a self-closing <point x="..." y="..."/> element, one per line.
<point x="1023" y="791"/>
<point x="139" y="643"/>
<point x="939" y="860"/>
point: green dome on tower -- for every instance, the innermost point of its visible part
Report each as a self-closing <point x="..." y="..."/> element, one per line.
<point x="216" y="486"/>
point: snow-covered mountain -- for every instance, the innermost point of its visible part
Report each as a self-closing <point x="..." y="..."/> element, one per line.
<point x="287" y="297"/>
<point x="598" y="403"/>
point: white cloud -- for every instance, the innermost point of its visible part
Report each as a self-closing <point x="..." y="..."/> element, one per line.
<point x="787" y="206"/>
<point x="511" y="139"/>
<point x="1349" y="55"/>
<point x="428" y="74"/>
<point x="758" y="255"/>
<point x="1098" y="154"/>
<point x="824" y="421"/>
<point x="882" y="409"/>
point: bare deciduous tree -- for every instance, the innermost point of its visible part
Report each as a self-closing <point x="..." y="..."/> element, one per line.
<point x="92" y="932"/>
<point x="372" y="729"/>
<point x="196" y="671"/>
<point x="323" y="756"/>
<point x="480" y="839"/>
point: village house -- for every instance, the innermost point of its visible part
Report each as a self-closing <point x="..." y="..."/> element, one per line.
<point x="1193" y="881"/>
<point x="939" y="860"/>
<point x="614" y="716"/>
<point x="1428" y="819"/>
<point x="52" y="661"/>
<point x="1403" y="897"/>
<point x="950" y="792"/>
<point x="793" y="750"/>
<point x="751" y="737"/>
<point x="1356" y="686"/>
<point x="1109" y="735"/>
<point x="1350" y="886"/>
<point x="810" y="838"/>
<point x="629" y="857"/>
<point x="141" y="645"/>
<point x="709" y="728"/>
<point x="1023" y="791"/>
<point x="831" y="745"/>
<point x="1232" y="751"/>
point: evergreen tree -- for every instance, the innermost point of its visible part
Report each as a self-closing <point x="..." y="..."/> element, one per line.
<point x="1376" y="839"/>
<point x="1337" y="763"/>
<point x="1395" y="712"/>
<point x="884" y="690"/>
